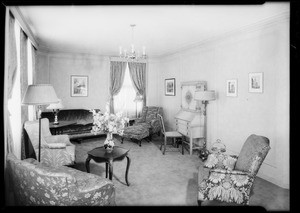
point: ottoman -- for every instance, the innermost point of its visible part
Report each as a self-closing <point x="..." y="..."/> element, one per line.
<point x="136" y="132"/>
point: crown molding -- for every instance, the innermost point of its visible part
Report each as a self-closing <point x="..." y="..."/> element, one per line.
<point x="264" y="23"/>
<point x="23" y="24"/>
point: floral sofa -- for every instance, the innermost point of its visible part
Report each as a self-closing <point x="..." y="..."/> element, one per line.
<point x="229" y="178"/>
<point x="35" y="184"/>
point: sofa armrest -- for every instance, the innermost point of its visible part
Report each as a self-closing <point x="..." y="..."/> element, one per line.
<point x="58" y="139"/>
<point x="92" y="190"/>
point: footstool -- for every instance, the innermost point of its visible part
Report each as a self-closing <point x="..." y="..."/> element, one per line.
<point x="136" y="132"/>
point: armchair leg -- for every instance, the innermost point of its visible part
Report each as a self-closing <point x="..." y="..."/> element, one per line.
<point x="199" y="202"/>
<point x="122" y="139"/>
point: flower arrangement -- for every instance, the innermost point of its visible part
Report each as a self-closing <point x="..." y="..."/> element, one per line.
<point x="108" y="123"/>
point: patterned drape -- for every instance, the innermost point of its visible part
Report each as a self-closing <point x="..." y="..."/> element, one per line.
<point x="24" y="84"/>
<point x="117" y="73"/>
<point x="11" y="75"/>
<point x="138" y="76"/>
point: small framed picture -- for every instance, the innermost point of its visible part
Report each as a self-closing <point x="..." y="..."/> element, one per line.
<point x="170" y="86"/>
<point x="79" y="85"/>
<point x="231" y="87"/>
<point x="256" y="82"/>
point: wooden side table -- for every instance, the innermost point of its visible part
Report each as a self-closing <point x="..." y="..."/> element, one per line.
<point x="99" y="155"/>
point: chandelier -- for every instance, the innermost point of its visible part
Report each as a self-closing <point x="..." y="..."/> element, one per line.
<point x="132" y="54"/>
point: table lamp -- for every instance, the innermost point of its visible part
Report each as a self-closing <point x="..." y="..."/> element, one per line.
<point x="205" y="97"/>
<point x="55" y="108"/>
<point x="39" y="94"/>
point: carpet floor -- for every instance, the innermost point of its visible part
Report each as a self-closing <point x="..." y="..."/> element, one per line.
<point x="165" y="180"/>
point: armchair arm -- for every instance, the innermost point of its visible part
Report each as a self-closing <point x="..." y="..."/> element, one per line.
<point x="228" y="186"/>
<point x="56" y="145"/>
<point x="230" y="172"/>
<point x="155" y="124"/>
<point x="58" y="139"/>
<point x="92" y="190"/>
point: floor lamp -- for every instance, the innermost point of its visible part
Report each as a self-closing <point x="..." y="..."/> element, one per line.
<point x="39" y="95"/>
<point x="55" y="107"/>
<point x="205" y="97"/>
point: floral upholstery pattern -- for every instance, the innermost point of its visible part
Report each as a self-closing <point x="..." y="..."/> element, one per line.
<point x="37" y="184"/>
<point x="137" y="132"/>
<point x="149" y="116"/>
<point x="220" y="161"/>
<point x="230" y="179"/>
<point x="56" y="150"/>
<point x="228" y="186"/>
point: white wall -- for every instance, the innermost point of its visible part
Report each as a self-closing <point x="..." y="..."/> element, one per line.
<point x="261" y="48"/>
<point x="57" y="68"/>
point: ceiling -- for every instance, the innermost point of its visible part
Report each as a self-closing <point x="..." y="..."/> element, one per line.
<point x="162" y="29"/>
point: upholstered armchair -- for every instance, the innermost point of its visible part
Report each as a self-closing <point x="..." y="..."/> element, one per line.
<point x="230" y="178"/>
<point x="36" y="184"/>
<point x="56" y="150"/>
<point x="150" y="119"/>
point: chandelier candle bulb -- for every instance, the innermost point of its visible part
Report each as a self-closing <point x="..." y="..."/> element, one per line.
<point x="120" y="50"/>
<point x="132" y="48"/>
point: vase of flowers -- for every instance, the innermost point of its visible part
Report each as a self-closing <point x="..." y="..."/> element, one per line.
<point x="110" y="124"/>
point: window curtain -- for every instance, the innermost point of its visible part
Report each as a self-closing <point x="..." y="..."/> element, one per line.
<point x="24" y="84"/>
<point x="33" y="54"/>
<point x="138" y="76"/>
<point x="11" y="75"/>
<point x="117" y="73"/>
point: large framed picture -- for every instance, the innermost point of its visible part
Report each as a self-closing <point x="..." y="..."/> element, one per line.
<point x="170" y="87"/>
<point x="256" y="82"/>
<point x="231" y="88"/>
<point x="79" y="85"/>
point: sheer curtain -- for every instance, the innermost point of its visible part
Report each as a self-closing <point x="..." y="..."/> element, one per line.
<point x="126" y="101"/>
<point x="14" y="94"/>
<point x="23" y="86"/>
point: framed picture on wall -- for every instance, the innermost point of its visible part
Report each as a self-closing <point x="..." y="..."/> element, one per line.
<point x="256" y="82"/>
<point x="170" y="86"/>
<point x="79" y="85"/>
<point x="231" y="88"/>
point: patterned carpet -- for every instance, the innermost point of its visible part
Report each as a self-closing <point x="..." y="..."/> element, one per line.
<point x="166" y="180"/>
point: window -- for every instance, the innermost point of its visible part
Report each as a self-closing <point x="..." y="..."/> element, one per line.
<point x="124" y="101"/>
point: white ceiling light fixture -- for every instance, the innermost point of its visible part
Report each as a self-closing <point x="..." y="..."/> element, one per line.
<point x="132" y="54"/>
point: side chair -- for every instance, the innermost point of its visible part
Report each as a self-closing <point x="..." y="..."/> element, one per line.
<point x="170" y="134"/>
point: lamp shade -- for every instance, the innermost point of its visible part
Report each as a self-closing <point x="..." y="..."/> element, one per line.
<point x="58" y="105"/>
<point x="40" y="94"/>
<point x="207" y="95"/>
